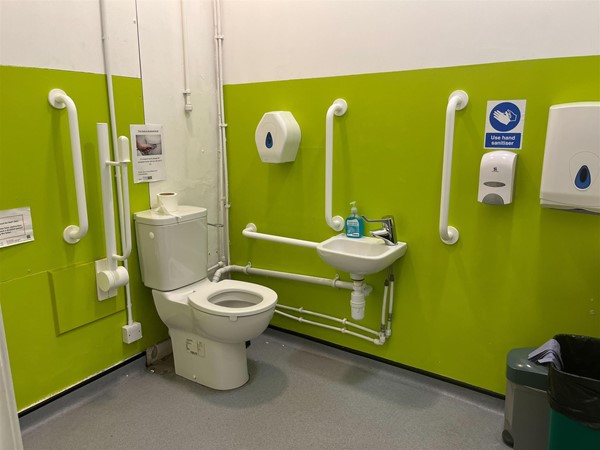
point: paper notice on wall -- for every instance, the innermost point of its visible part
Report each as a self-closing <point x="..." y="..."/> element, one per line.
<point x="15" y="226"/>
<point x="147" y="148"/>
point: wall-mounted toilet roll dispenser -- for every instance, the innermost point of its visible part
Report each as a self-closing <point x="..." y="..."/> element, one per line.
<point x="497" y="177"/>
<point x="572" y="158"/>
<point x="277" y="137"/>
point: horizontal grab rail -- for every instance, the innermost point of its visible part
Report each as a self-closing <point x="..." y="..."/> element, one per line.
<point x="60" y="100"/>
<point x="250" y="232"/>
<point x="458" y="100"/>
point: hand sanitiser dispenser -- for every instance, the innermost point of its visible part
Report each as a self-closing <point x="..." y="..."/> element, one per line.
<point x="277" y="137"/>
<point x="572" y="158"/>
<point x="496" y="177"/>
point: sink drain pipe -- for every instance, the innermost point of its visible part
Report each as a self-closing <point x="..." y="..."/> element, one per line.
<point x="359" y="291"/>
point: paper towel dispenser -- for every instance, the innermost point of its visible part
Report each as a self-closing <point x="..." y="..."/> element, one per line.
<point x="497" y="177"/>
<point x="277" y="137"/>
<point x="571" y="170"/>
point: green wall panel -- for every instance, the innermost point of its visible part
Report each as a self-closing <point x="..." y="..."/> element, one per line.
<point x="72" y="313"/>
<point x="519" y="273"/>
<point x="58" y="334"/>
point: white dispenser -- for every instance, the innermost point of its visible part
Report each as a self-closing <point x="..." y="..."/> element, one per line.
<point x="497" y="177"/>
<point x="572" y="158"/>
<point x="277" y="137"/>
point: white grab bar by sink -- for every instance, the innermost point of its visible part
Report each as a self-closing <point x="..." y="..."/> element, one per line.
<point x="338" y="108"/>
<point x="59" y="100"/>
<point x="250" y="232"/>
<point x="458" y="100"/>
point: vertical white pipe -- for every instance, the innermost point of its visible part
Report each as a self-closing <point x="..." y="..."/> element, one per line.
<point x="458" y="100"/>
<point x="10" y="432"/>
<point x="123" y="219"/>
<point x="108" y="206"/>
<point x="338" y="108"/>
<point x="389" y="321"/>
<point x="222" y="150"/>
<point x="186" y="76"/>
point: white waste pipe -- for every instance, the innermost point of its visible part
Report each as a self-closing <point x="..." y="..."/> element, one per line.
<point x="360" y="290"/>
<point x="251" y="232"/>
<point x="222" y="138"/>
<point x="248" y="270"/>
<point x="458" y="100"/>
<point x="59" y="100"/>
<point x="338" y="108"/>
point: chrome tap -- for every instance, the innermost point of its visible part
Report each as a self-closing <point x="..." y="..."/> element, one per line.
<point x="388" y="231"/>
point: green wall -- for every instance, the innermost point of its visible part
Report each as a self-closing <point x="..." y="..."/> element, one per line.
<point x="519" y="273"/>
<point x="57" y="332"/>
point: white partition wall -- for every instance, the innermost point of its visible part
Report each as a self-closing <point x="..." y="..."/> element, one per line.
<point x="10" y="433"/>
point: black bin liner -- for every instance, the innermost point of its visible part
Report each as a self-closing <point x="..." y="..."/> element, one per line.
<point x="574" y="391"/>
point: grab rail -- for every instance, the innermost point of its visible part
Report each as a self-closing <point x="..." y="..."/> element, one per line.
<point x="457" y="100"/>
<point x="338" y="108"/>
<point x="109" y="275"/>
<point x="59" y="100"/>
<point x="250" y="232"/>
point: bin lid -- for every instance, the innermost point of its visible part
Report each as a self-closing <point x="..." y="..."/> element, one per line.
<point x="524" y="372"/>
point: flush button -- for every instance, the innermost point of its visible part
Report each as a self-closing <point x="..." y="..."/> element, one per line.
<point x="151" y="235"/>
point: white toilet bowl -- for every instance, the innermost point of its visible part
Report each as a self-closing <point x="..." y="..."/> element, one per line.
<point x="209" y="324"/>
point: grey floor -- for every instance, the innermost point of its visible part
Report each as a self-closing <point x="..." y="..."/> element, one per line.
<point x="301" y="395"/>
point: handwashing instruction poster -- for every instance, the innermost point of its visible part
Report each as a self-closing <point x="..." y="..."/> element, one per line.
<point x="15" y="226"/>
<point x="504" y="124"/>
<point x="148" y="153"/>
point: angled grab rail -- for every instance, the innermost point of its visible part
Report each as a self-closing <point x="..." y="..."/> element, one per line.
<point x="338" y="108"/>
<point x="60" y="100"/>
<point x="458" y="100"/>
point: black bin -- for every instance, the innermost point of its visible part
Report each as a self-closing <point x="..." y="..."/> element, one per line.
<point x="574" y="395"/>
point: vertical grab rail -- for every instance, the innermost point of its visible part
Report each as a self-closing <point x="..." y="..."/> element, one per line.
<point x="109" y="275"/>
<point x="59" y="100"/>
<point x="338" y="108"/>
<point x="457" y="100"/>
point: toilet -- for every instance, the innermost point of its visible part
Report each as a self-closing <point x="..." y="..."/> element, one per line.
<point x="209" y="323"/>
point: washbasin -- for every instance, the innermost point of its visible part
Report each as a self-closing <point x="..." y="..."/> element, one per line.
<point x="360" y="256"/>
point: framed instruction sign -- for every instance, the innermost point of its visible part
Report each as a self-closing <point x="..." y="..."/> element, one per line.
<point x="147" y="149"/>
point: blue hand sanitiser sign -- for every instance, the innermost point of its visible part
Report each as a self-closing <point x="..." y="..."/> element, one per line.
<point x="504" y="123"/>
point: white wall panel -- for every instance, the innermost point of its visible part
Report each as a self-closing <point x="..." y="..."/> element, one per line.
<point x="190" y="138"/>
<point x="65" y="35"/>
<point x="289" y="39"/>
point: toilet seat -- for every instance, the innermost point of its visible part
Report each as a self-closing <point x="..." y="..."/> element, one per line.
<point x="233" y="298"/>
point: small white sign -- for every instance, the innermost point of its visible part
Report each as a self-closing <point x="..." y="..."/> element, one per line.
<point x="147" y="148"/>
<point x="504" y="124"/>
<point x="15" y="226"/>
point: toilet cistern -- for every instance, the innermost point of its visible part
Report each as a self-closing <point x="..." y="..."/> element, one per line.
<point x="388" y="231"/>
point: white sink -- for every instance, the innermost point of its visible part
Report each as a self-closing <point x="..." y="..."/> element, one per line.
<point x="360" y="256"/>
